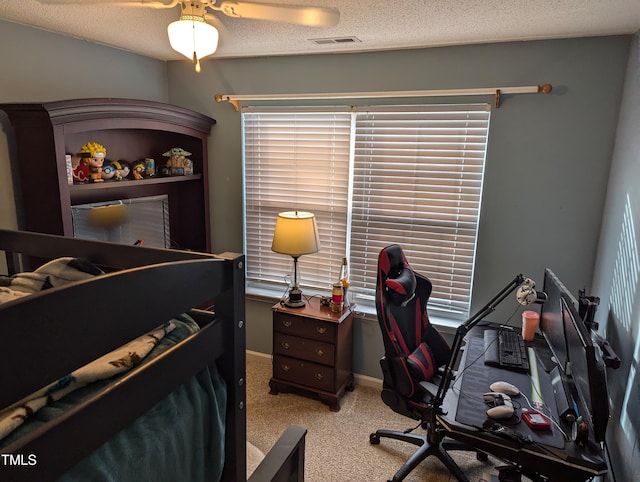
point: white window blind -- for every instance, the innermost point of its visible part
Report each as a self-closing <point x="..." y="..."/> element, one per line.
<point x="418" y="182"/>
<point x="295" y="159"/>
<point x="373" y="176"/>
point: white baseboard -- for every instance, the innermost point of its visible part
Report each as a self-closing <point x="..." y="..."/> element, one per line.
<point x="257" y="356"/>
<point x="367" y="381"/>
<point x="363" y="380"/>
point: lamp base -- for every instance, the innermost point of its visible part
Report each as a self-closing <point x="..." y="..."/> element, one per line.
<point x="295" y="299"/>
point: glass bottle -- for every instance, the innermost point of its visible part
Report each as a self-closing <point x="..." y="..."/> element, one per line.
<point x="344" y="279"/>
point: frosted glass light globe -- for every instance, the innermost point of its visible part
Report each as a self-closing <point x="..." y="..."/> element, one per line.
<point x="187" y="36"/>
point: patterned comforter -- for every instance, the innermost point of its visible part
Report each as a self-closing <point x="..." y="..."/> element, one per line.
<point x="57" y="273"/>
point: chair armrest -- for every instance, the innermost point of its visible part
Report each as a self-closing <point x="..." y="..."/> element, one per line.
<point x="285" y="460"/>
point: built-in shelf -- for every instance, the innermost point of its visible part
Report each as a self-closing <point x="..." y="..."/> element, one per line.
<point x="130" y="130"/>
<point x="133" y="183"/>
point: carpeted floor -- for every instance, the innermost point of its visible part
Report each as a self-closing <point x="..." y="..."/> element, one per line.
<point x="337" y="445"/>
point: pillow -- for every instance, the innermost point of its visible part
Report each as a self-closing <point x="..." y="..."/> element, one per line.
<point x="421" y="363"/>
<point x="401" y="286"/>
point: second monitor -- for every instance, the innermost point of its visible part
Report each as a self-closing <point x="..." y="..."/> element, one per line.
<point x="578" y="358"/>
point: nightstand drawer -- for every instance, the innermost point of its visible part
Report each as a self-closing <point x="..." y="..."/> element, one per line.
<point x="305" y="327"/>
<point x="311" y="350"/>
<point x="312" y="375"/>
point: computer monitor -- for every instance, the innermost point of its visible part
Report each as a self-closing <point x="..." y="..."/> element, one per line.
<point x="587" y="370"/>
<point x="578" y="358"/>
<point x="551" y="321"/>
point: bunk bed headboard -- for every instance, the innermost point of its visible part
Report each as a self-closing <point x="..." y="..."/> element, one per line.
<point x="18" y="244"/>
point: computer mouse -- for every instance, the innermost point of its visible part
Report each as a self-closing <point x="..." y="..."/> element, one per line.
<point x="505" y="387"/>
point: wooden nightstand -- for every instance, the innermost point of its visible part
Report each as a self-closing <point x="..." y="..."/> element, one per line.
<point x="312" y="351"/>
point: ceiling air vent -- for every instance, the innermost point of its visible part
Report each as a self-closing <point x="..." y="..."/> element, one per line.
<point x="335" y="40"/>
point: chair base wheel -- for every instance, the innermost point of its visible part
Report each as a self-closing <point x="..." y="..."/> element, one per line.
<point x="438" y="448"/>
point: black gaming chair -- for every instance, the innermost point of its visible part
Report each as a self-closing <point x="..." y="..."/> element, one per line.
<point x="414" y="350"/>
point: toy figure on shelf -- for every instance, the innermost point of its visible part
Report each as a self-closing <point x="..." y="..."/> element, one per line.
<point x="93" y="155"/>
<point x="149" y="167"/>
<point x="108" y="170"/>
<point x="81" y="173"/>
<point x="178" y="163"/>
<point x="137" y="168"/>
<point x="122" y="169"/>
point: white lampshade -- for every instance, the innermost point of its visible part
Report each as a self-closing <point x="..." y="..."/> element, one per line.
<point x="192" y="34"/>
<point x="295" y="234"/>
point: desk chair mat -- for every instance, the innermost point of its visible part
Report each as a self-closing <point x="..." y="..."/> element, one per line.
<point x="476" y="379"/>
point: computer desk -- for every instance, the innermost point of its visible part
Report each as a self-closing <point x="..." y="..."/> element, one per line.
<point x="551" y="456"/>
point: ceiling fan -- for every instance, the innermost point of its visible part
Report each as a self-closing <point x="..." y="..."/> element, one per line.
<point x="194" y="38"/>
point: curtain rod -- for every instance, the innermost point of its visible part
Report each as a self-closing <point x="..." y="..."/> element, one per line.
<point x="497" y="91"/>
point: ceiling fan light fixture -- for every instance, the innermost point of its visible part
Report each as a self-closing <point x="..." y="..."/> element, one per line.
<point x="193" y="37"/>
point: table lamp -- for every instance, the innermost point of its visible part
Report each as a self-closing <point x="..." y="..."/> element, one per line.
<point x="295" y="234"/>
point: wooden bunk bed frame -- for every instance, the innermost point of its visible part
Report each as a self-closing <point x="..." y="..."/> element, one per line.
<point x="152" y="274"/>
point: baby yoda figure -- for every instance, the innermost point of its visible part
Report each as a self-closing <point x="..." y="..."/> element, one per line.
<point x="178" y="163"/>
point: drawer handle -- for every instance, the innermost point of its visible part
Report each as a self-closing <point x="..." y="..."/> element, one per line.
<point x="321" y="329"/>
<point x="319" y="352"/>
<point x="286" y="323"/>
<point x="319" y="376"/>
<point x="285" y="368"/>
<point x="285" y="345"/>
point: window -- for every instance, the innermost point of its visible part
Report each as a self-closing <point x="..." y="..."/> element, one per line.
<point x="373" y="176"/>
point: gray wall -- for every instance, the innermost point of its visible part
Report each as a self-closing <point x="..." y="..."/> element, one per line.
<point x="617" y="280"/>
<point x="547" y="162"/>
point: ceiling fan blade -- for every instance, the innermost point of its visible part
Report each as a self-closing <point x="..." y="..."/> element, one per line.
<point x="297" y="14"/>
<point x="127" y="3"/>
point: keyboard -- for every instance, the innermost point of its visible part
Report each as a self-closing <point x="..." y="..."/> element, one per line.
<point x="505" y="349"/>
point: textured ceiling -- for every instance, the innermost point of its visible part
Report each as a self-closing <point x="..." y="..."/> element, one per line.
<point x="376" y="24"/>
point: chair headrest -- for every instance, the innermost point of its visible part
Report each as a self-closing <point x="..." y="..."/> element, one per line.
<point x="400" y="279"/>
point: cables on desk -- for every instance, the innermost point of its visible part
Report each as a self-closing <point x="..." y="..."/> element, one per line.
<point x="548" y="415"/>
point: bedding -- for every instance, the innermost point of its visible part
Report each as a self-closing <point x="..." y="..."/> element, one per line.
<point x="180" y="438"/>
<point x="55" y="273"/>
<point x="118" y="361"/>
<point x="59" y="272"/>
